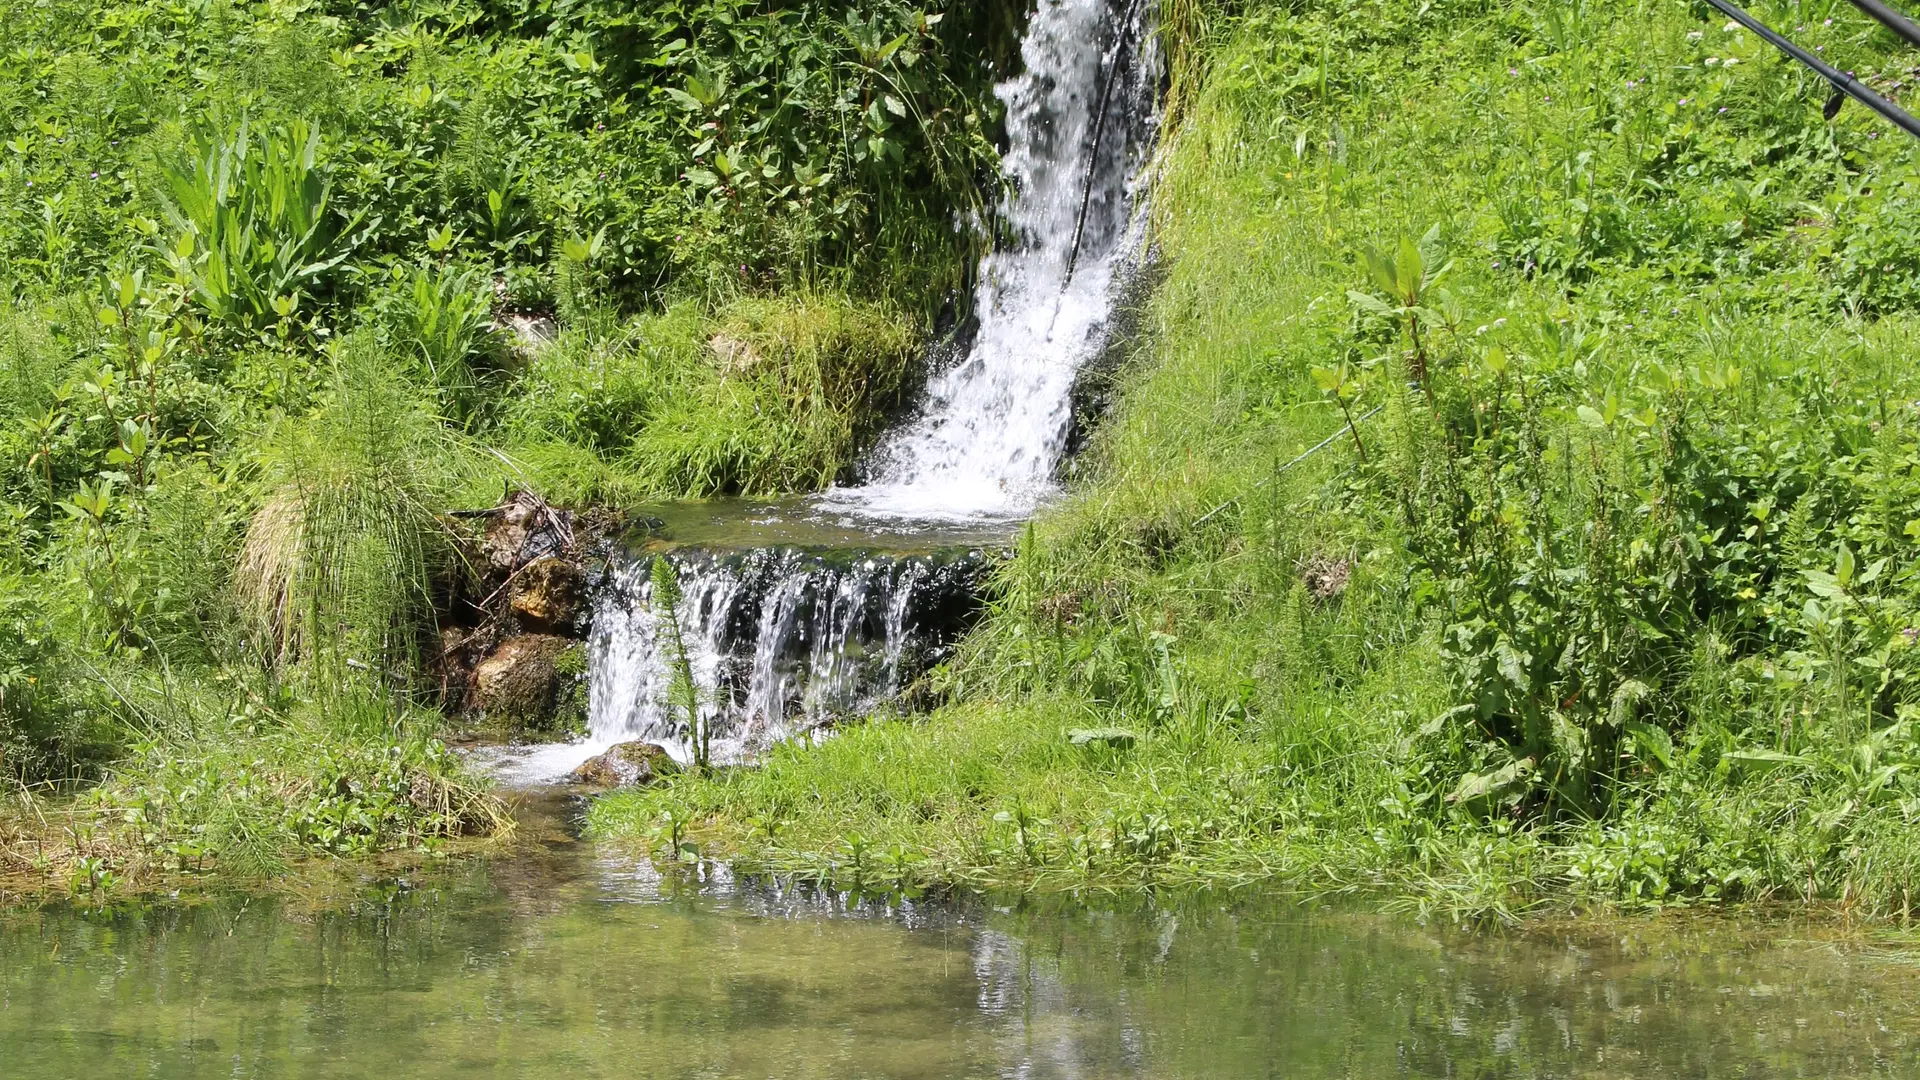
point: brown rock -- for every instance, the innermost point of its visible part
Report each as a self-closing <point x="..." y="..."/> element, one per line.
<point x="549" y="592"/>
<point x="630" y="764"/>
<point x="521" y="680"/>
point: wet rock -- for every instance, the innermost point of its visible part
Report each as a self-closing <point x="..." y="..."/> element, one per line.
<point x="630" y="764"/>
<point x="525" y="678"/>
<point x="550" y="592"/>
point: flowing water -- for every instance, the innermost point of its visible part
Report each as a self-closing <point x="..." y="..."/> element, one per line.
<point x="810" y="613"/>
<point x="567" y="961"/>
<point x="778" y="641"/>
<point x="1079" y="120"/>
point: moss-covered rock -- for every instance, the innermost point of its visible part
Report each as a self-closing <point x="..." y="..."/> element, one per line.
<point x="522" y="681"/>
<point x="629" y="764"/>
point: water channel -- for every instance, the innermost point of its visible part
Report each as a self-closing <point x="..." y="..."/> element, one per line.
<point x="567" y="960"/>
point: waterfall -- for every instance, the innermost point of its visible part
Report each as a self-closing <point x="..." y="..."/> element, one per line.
<point x="784" y="638"/>
<point x="989" y="437"/>
<point x="779" y="641"/>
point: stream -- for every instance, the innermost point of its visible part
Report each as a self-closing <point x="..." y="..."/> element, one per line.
<point x="564" y="959"/>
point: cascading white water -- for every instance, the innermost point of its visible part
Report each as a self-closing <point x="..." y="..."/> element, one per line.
<point x="780" y="641"/>
<point x="990" y="435"/>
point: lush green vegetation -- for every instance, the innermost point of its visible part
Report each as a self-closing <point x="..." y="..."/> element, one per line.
<point x="1602" y="585"/>
<point x="272" y="283"/>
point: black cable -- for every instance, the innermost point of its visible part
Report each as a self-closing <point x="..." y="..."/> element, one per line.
<point x="1891" y="19"/>
<point x="1842" y="82"/>
<point x="1099" y="126"/>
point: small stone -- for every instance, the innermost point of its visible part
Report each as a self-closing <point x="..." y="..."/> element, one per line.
<point x="629" y="764"/>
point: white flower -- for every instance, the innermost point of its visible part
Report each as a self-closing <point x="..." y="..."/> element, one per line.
<point x="1693" y="35"/>
<point x="1712" y="60"/>
<point x="1731" y="27"/>
<point x="1729" y="61"/>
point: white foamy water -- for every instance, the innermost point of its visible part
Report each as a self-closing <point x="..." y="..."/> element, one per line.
<point x="779" y="642"/>
<point x="989" y="438"/>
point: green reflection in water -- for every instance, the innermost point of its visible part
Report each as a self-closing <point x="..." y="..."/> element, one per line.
<point x="571" y="963"/>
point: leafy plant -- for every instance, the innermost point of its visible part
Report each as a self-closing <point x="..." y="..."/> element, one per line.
<point x="252" y="225"/>
<point x="683" y="692"/>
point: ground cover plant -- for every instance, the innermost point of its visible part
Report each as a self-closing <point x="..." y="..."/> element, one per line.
<point x="283" y="286"/>
<point x="1516" y="502"/>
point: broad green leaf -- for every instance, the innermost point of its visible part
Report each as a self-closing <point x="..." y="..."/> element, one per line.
<point x="1369" y="302"/>
<point x="1412" y="268"/>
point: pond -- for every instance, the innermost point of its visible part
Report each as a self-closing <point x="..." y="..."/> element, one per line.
<point x="567" y="960"/>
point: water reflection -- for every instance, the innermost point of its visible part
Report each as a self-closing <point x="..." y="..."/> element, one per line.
<point x="583" y="963"/>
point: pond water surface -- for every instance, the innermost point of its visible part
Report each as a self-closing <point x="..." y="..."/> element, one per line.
<point x="567" y="961"/>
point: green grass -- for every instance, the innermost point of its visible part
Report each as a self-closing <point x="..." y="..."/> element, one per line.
<point x="1616" y="608"/>
<point x="763" y="395"/>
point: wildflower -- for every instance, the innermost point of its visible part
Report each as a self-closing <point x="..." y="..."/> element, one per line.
<point x="1694" y="35"/>
<point x="1498" y="323"/>
<point x="1712" y="60"/>
<point x="1513" y="71"/>
<point x="93" y="176"/>
<point x="1731" y="27"/>
<point x="1683" y="101"/>
<point x="1729" y="61"/>
<point x="1723" y="108"/>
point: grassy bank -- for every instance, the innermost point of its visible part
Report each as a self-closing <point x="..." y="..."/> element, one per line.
<point x="1602" y="590"/>
<point x="283" y="287"/>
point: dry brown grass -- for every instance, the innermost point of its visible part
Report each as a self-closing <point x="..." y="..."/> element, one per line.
<point x="266" y="583"/>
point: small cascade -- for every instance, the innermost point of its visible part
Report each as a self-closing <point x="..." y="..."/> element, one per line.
<point x="779" y="641"/>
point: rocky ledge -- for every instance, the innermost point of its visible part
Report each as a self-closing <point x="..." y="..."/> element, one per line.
<point x="512" y="657"/>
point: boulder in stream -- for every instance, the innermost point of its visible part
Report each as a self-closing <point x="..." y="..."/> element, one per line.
<point x="525" y="678"/>
<point x="629" y="764"/>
